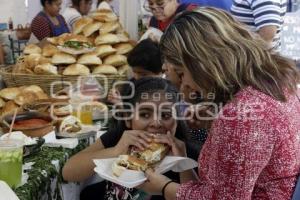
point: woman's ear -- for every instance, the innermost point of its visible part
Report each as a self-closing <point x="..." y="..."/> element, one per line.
<point x="128" y="124"/>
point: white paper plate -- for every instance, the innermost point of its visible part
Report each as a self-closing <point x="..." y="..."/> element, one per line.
<point x="131" y="178"/>
<point x="86" y="131"/>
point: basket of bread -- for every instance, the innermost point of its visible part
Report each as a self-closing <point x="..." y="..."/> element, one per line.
<point x="98" y="47"/>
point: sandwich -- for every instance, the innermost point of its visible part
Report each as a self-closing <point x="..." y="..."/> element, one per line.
<point x="32" y="49"/>
<point x="140" y="160"/>
<point x="153" y="154"/>
<point x="128" y="162"/>
<point x="76" y="47"/>
<point x="70" y="124"/>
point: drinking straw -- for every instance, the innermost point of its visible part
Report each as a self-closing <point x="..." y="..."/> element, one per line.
<point x="12" y="123"/>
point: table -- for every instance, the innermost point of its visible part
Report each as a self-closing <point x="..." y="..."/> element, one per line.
<point x="45" y="178"/>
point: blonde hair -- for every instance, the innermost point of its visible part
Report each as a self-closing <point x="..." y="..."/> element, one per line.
<point x="223" y="56"/>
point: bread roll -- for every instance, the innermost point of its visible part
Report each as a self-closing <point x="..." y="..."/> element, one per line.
<point x="32" y="88"/>
<point x="123" y="70"/>
<point x="63" y="58"/>
<point x="32" y="60"/>
<point x="46" y="69"/>
<point x="105" y="16"/>
<point x="80" y="24"/>
<point x="26" y="98"/>
<point x="76" y="69"/>
<point x="9" y="108"/>
<point x="9" y="93"/>
<point x="105" y="69"/>
<point x="123" y="48"/>
<point x="91" y="28"/>
<point x="32" y="49"/>
<point x="2" y="103"/>
<point x="109" y="27"/>
<point x="49" y="50"/>
<point x="107" y="39"/>
<point x="115" y="60"/>
<point x="104" y="50"/>
<point x="123" y="37"/>
<point x="89" y="59"/>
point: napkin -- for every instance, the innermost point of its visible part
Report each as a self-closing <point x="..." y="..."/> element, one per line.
<point x="51" y="141"/>
<point x="6" y="192"/>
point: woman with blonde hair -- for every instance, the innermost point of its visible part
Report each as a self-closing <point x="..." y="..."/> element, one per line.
<point x="253" y="148"/>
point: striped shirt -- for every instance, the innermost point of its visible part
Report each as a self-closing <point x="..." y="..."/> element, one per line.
<point x="71" y="15"/>
<point x="259" y="13"/>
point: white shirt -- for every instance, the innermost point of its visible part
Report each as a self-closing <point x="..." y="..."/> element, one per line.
<point x="71" y="15"/>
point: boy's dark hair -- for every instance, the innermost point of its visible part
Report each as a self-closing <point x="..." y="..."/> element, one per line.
<point x="43" y="2"/>
<point x="148" y="85"/>
<point x="77" y="2"/>
<point x="146" y="55"/>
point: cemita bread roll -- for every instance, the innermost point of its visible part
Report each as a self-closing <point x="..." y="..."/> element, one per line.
<point x="10" y="107"/>
<point x="63" y="58"/>
<point x="9" y="93"/>
<point x="91" y="28"/>
<point x="89" y="59"/>
<point x="32" y="49"/>
<point x="104" y="50"/>
<point x="107" y="39"/>
<point x="115" y="60"/>
<point x="2" y="103"/>
<point x="80" y="24"/>
<point x="140" y="160"/>
<point x="109" y="27"/>
<point x="32" y="88"/>
<point x="123" y="37"/>
<point x="49" y="50"/>
<point x="104" y="16"/>
<point x="76" y="69"/>
<point x="128" y="162"/>
<point x="105" y="69"/>
<point x="123" y="48"/>
<point x="46" y="69"/>
<point x="26" y="98"/>
<point x="123" y="70"/>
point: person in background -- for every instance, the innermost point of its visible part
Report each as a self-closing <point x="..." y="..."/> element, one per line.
<point x="164" y="11"/>
<point x="145" y="61"/>
<point x="78" y="9"/>
<point x="2" y="55"/>
<point x="264" y="17"/>
<point x="252" y="150"/>
<point x="222" y="4"/>
<point x="48" y="22"/>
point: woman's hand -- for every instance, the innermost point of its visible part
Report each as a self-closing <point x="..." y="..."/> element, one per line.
<point x="177" y="146"/>
<point x="155" y="183"/>
<point x="140" y="139"/>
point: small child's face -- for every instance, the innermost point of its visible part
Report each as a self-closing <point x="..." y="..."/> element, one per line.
<point x="139" y="73"/>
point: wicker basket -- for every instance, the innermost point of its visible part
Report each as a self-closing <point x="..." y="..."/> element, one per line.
<point x="44" y="81"/>
<point x="23" y="33"/>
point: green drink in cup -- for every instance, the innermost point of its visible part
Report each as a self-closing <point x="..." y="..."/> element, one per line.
<point x="11" y="155"/>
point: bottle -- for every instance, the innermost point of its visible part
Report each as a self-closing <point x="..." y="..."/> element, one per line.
<point x="10" y="24"/>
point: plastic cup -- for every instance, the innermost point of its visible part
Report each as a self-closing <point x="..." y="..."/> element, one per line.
<point x="11" y="155"/>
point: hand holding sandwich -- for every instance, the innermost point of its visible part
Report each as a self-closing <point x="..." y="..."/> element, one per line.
<point x="140" y="139"/>
<point x="176" y="145"/>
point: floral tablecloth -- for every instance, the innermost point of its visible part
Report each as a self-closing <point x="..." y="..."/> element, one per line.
<point x="45" y="179"/>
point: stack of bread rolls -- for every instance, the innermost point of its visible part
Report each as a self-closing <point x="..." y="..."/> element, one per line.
<point x="15" y="97"/>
